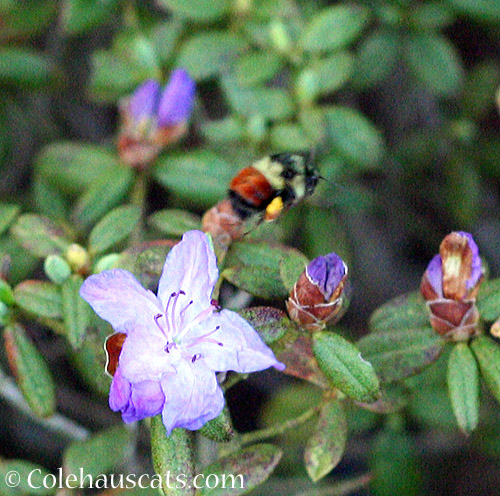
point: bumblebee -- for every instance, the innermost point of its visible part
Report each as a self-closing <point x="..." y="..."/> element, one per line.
<point x="272" y="184"/>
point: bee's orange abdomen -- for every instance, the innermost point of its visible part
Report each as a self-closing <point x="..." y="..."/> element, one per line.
<point x="251" y="185"/>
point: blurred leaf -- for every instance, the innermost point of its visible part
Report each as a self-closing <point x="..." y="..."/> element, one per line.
<point x="483" y="10"/>
<point x="463" y="387"/>
<point x="219" y="429"/>
<point x="255" y="267"/>
<point x="480" y="87"/>
<point x="25" y="68"/>
<point x="32" y="373"/>
<point x="333" y="72"/>
<point x="114" y="227"/>
<point x="344" y="366"/>
<point x="165" y="36"/>
<point x="394" y="465"/>
<point x="488" y="300"/>
<point x="208" y="54"/>
<point x="271" y="324"/>
<point x="334" y="27"/>
<point x="39" y="235"/>
<point x="6" y="292"/>
<point x="106" y="192"/>
<point x="403" y="312"/>
<point x="399" y="353"/>
<point x="100" y="454"/>
<point x="27" y="18"/>
<point x="488" y="356"/>
<point x="174" y="221"/>
<point x="223" y="130"/>
<point x="49" y="201"/>
<point x="172" y="456"/>
<point x="290" y="270"/>
<point x="257" y="67"/>
<point x="354" y="137"/>
<point x="435" y="63"/>
<point x="290" y="137"/>
<point x="432" y="16"/>
<point x="74" y="166"/>
<point x="40" y="298"/>
<point x="22" y="263"/>
<point x="198" y="10"/>
<point x="8" y="212"/>
<point x="377" y="57"/>
<point x="269" y="103"/>
<point x="76" y="311"/>
<point x="31" y="479"/>
<point x="79" y="16"/>
<point x="325" y="448"/>
<point x="213" y="173"/>
<point x="254" y="465"/>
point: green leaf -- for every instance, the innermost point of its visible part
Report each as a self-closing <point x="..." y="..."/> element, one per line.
<point x="49" y="201"/>
<point x="403" y="312"/>
<point x="271" y="324"/>
<point x="39" y="235"/>
<point x="399" y="353"/>
<point x="208" y="54"/>
<point x="488" y="300"/>
<point x="25" y="68"/>
<point x="165" y="36"/>
<point x="31" y="479"/>
<point x="100" y="454"/>
<point x="219" y="429"/>
<point x="334" y="27"/>
<point x="26" y="19"/>
<point x="269" y="103"/>
<point x="22" y="263"/>
<point x="354" y="137"/>
<point x="431" y="16"/>
<point x="6" y="292"/>
<point x="290" y="137"/>
<point x="172" y="456"/>
<point x="40" y="298"/>
<point x="344" y="366"/>
<point x="488" y="356"/>
<point x="212" y="173"/>
<point x="174" y="221"/>
<point x="393" y="398"/>
<point x="255" y="267"/>
<point x="435" y="63"/>
<point x="377" y="57"/>
<point x="325" y="448"/>
<point x="79" y="16"/>
<point x="290" y="270"/>
<point x="480" y="87"/>
<point x="76" y="311"/>
<point x="223" y="130"/>
<point x="249" y="466"/>
<point x="8" y="212"/>
<point x="463" y="387"/>
<point x="333" y="72"/>
<point x="106" y="192"/>
<point x="257" y="67"/>
<point x="113" y="228"/>
<point x="31" y="371"/>
<point x="198" y="10"/>
<point x="483" y="10"/>
<point x="74" y="166"/>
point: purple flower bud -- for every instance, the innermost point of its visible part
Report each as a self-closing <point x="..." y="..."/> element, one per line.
<point x="177" y="99"/>
<point x="144" y="102"/>
<point x="319" y="295"/>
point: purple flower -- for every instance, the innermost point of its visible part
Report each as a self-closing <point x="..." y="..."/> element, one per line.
<point x="326" y="272"/>
<point x="175" y="341"/>
<point x="165" y="108"/>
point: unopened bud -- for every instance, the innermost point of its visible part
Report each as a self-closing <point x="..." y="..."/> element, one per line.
<point x="280" y="37"/>
<point x="56" y="268"/>
<point x="450" y="285"/>
<point x="223" y="224"/>
<point x="78" y="258"/>
<point x="320" y="294"/>
<point x="106" y="262"/>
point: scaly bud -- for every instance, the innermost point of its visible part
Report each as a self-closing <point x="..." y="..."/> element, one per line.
<point x="153" y="118"/>
<point x="320" y="294"/>
<point x="56" y="268"/>
<point x="78" y="258"/>
<point x="450" y="285"/>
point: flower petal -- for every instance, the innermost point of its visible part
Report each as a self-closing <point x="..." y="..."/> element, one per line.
<point x="476" y="269"/>
<point x="236" y="345"/>
<point x="177" y="99"/>
<point x="117" y="296"/>
<point x="190" y="266"/>
<point x="119" y="392"/>
<point x="193" y="397"/>
<point x="435" y="274"/>
<point x="144" y="102"/>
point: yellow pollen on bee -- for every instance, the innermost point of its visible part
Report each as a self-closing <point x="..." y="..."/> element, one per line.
<point x="274" y="209"/>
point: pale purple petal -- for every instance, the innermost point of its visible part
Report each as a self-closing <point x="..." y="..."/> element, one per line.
<point x="190" y="266"/>
<point x="143" y="356"/>
<point x="147" y="398"/>
<point x="145" y="100"/>
<point x="117" y="297"/>
<point x="119" y="392"/>
<point x="476" y="271"/>
<point x="236" y="345"/>
<point x="435" y="274"/>
<point x="326" y="272"/>
<point x="177" y="99"/>
<point x="193" y="397"/>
